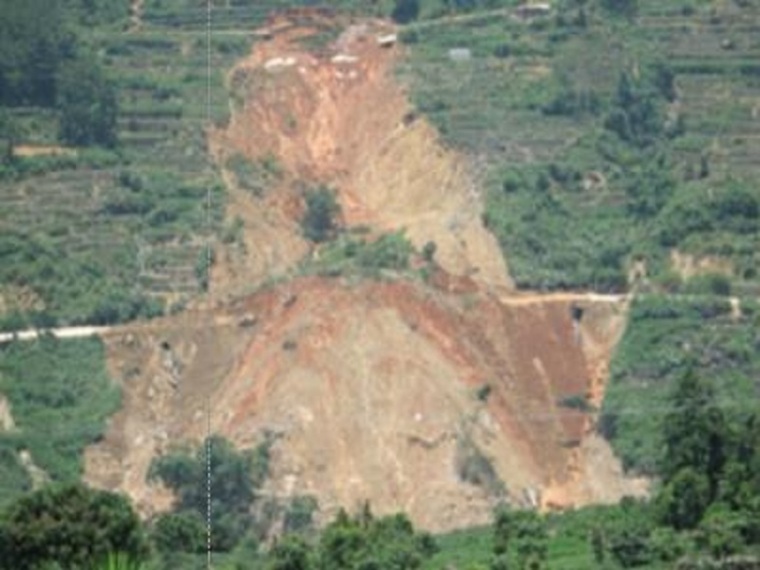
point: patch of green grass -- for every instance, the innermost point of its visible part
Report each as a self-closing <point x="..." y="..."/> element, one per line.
<point x="569" y="543"/>
<point x="349" y="255"/>
<point x="61" y="396"/>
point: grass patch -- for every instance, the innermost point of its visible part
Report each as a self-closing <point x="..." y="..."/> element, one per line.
<point x="352" y="255"/>
<point x="61" y="396"/>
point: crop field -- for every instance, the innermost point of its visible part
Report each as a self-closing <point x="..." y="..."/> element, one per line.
<point x="532" y="100"/>
<point x="134" y="218"/>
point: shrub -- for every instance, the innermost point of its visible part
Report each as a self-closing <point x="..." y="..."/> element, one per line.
<point x="405" y="11"/>
<point x="709" y="284"/>
<point x="428" y="252"/>
<point x="88" y="104"/>
<point x="236" y="476"/>
<point x="319" y="221"/>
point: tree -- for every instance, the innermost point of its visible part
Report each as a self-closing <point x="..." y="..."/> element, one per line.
<point x="365" y="542"/>
<point x="684" y="499"/>
<point x="8" y="135"/>
<point x="627" y="8"/>
<point x="180" y="532"/>
<point x="502" y="531"/>
<point x="235" y="476"/>
<point x="520" y="535"/>
<point x="292" y="553"/>
<point x="637" y="116"/>
<point x="32" y="45"/>
<point x="87" y="101"/>
<point x="71" y="526"/>
<point x="405" y="11"/>
<point x="322" y="209"/>
<point x="695" y="432"/>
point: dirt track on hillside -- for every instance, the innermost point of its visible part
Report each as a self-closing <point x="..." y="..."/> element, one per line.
<point x="438" y="398"/>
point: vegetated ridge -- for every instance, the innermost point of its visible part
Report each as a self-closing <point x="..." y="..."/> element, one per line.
<point x="440" y="397"/>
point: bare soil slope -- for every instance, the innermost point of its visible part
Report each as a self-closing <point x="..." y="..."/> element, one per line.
<point x="376" y="391"/>
<point x="439" y="399"/>
<point x="336" y="116"/>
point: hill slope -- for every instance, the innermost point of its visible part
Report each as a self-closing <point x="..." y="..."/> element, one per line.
<point x="439" y="398"/>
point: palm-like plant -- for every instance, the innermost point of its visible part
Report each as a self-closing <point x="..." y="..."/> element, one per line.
<point x="120" y="561"/>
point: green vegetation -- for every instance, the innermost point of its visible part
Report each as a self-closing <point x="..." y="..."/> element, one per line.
<point x="53" y="383"/>
<point x="354" y="543"/>
<point x="613" y="132"/>
<point x="705" y="512"/>
<point x="595" y="136"/>
<point x="236" y="476"/>
<point x="352" y="254"/>
<point x="256" y="177"/>
<point x="69" y="527"/>
<point x="664" y="335"/>
<point x="106" y="233"/>
<point x="88" y="105"/>
<point x="405" y="11"/>
<point x="319" y="222"/>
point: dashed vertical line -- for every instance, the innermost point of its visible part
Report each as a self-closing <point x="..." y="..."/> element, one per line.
<point x="208" y="278"/>
<point x="208" y="139"/>
<point x="208" y="485"/>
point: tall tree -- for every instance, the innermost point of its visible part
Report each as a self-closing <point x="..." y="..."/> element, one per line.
<point x="87" y="102"/>
<point x="33" y="42"/>
<point x="70" y="527"/>
<point x="695" y="430"/>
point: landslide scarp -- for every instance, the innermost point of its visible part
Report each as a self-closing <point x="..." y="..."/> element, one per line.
<point x="336" y="116"/>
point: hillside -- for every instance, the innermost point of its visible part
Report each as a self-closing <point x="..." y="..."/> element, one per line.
<point x="457" y="261"/>
<point x="412" y="356"/>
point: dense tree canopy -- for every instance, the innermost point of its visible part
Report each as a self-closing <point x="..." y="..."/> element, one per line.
<point x="88" y="104"/>
<point x="42" y="63"/>
<point x="71" y="526"/>
<point x="235" y="475"/>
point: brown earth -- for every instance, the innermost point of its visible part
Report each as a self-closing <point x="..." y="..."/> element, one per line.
<point x="6" y="418"/>
<point x="31" y="150"/>
<point x="371" y="390"/>
<point x="439" y="399"/>
<point x="338" y="117"/>
<point x="687" y="265"/>
<point x="17" y="298"/>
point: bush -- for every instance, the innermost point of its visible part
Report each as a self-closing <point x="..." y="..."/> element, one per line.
<point x="709" y="284"/>
<point x="405" y="11"/>
<point x="88" y="104"/>
<point x="319" y="222"/>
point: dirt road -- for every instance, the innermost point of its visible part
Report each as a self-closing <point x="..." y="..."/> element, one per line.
<point x="64" y="332"/>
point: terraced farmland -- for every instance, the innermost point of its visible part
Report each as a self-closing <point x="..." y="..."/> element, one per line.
<point x="535" y="101"/>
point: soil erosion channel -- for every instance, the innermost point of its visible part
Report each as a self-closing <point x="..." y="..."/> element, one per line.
<point x="438" y="399"/>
